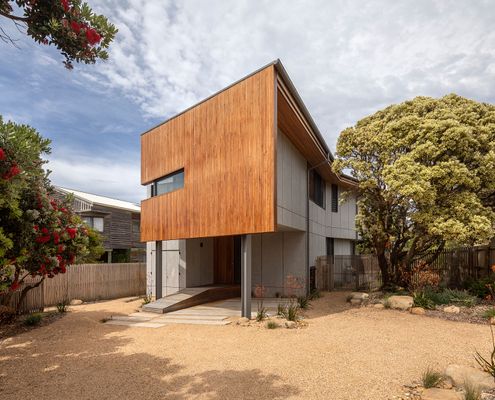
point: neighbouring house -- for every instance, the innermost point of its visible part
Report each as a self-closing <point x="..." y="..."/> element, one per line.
<point x="235" y="183"/>
<point x="117" y="221"/>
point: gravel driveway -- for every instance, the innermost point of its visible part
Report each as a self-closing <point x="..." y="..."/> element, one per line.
<point x="343" y="353"/>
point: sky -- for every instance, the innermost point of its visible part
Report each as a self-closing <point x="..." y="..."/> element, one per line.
<point x="346" y="58"/>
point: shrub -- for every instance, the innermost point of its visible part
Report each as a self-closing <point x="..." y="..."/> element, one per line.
<point x="261" y="314"/>
<point x="62" y="307"/>
<point x="431" y="378"/>
<point x="479" y="287"/>
<point x="303" y="302"/>
<point x="471" y="391"/>
<point x="489" y="313"/>
<point x="147" y="299"/>
<point x="460" y="297"/>
<point x="421" y="299"/>
<point x="33" y="319"/>
<point x="271" y="325"/>
<point x="281" y="309"/>
<point x="7" y="314"/>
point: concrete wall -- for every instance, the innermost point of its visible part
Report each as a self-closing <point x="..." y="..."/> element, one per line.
<point x="173" y="267"/>
<point x="291" y="185"/>
<point x="199" y="262"/>
<point x="276" y="256"/>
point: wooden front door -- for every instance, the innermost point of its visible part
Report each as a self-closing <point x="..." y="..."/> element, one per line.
<point x="227" y="260"/>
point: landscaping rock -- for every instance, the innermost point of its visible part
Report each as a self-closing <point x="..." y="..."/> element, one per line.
<point x="452" y="310"/>
<point x="356" y="302"/>
<point x="492" y="321"/>
<point x="76" y="302"/>
<point x="459" y="374"/>
<point x="243" y="321"/>
<point x="290" y="324"/>
<point x="379" y="306"/>
<point x="359" y="296"/>
<point x="440" y="394"/>
<point x="418" y="311"/>
<point x="400" y="302"/>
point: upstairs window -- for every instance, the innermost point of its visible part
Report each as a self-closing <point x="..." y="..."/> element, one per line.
<point x="94" y="222"/>
<point x="335" y="198"/>
<point x="316" y="188"/>
<point x="168" y="183"/>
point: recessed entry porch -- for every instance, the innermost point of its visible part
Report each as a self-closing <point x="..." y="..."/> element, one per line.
<point x="249" y="262"/>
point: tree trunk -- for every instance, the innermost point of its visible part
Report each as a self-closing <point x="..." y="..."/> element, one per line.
<point x="25" y="291"/>
<point x="384" y="269"/>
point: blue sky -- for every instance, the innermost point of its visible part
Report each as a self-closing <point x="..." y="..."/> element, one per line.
<point x="347" y="59"/>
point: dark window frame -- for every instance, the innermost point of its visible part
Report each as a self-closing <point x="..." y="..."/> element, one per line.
<point x="156" y="182"/>
<point x="317" y="189"/>
<point x="335" y="198"/>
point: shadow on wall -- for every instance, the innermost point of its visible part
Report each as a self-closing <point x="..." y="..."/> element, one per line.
<point x="87" y="362"/>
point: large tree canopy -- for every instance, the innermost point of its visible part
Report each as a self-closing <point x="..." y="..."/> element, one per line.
<point x="426" y="172"/>
<point x="70" y="25"/>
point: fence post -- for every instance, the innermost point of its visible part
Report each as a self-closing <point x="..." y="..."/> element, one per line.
<point x="330" y="269"/>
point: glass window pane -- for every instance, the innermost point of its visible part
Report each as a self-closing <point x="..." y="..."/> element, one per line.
<point x="169" y="183"/>
<point x="98" y="224"/>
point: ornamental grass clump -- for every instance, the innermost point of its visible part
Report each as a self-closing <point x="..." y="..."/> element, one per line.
<point x="33" y="319"/>
<point x="431" y="378"/>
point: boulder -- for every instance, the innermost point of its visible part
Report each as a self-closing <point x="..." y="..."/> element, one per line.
<point x="452" y="310"/>
<point x="359" y="295"/>
<point x="379" y="306"/>
<point x="400" y="302"/>
<point x="356" y="302"/>
<point x="440" y="394"/>
<point x="76" y="302"/>
<point x="418" y="311"/>
<point x="290" y="324"/>
<point x="459" y="374"/>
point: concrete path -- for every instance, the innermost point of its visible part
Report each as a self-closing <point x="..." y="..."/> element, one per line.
<point x="216" y="313"/>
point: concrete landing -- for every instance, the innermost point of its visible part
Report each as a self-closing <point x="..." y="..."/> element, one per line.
<point x="191" y="297"/>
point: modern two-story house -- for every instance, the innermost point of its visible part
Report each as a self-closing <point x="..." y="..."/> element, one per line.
<point x="241" y="191"/>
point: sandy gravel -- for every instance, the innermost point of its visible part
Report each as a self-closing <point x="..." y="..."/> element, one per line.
<point x="342" y="354"/>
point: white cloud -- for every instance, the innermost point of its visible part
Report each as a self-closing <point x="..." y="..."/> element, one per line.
<point x="347" y="58"/>
<point x="117" y="179"/>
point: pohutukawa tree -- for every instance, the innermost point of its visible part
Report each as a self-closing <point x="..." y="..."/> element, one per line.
<point x="426" y="172"/>
<point x="70" y="25"/>
<point x="39" y="236"/>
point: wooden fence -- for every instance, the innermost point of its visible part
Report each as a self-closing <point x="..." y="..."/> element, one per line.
<point x="87" y="282"/>
<point x="454" y="268"/>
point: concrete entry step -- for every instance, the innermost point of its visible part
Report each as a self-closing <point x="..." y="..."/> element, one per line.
<point x="190" y="297"/>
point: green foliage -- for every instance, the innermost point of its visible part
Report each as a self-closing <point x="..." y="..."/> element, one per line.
<point x="271" y="325"/>
<point x="426" y="173"/>
<point x="429" y="298"/>
<point x="94" y="249"/>
<point x="303" y="302"/>
<point x="70" y="25"/>
<point x="480" y="287"/>
<point x="431" y="378"/>
<point x="121" y="255"/>
<point x="39" y="235"/>
<point x="422" y="299"/>
<point x="62" y="307"/>
<point x="487" y="364"/>
<point x="471" y="391"/>
<point x="33" y="319"/>
<point x="261" y="314"/>
<point x="289" y="311"/>
<point x="147" y="299"/>
<point x="489" y="313"/>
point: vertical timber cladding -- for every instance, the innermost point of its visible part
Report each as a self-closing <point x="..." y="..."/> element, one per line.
<point x="226" y="146"/>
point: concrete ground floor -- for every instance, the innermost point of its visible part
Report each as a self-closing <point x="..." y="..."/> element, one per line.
<point x="278" y="262"/>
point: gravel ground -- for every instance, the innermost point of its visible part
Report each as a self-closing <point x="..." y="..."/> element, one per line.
<point x="343" y="353"/>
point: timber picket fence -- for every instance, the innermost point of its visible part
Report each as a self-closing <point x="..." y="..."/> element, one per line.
<point x="87" y="282"/>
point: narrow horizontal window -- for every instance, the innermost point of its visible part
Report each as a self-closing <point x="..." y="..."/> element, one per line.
<point x="168" y="183"/>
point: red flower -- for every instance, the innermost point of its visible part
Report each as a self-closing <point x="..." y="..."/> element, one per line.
<point x="44" y="230"/>
<point x="14" y="170"/>
<point x="2" y="154"/>
<point x="14" y="286"/>
<point x="56" y="237"/>
<point x="36" y="228"/>
<point x="53" y="204"/>
<point x="72" y="258"/>
<point x="76" y="27"/>
<point x="60" y="249"/>
<point x="92" y="36"/>
<point x="42" y="239"/>
<point x="62" y="269"/>
<point x="72" y="232"/>
<point x="65" y="4"/>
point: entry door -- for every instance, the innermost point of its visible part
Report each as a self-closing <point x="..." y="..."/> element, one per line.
<point x="225" y="260"/>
